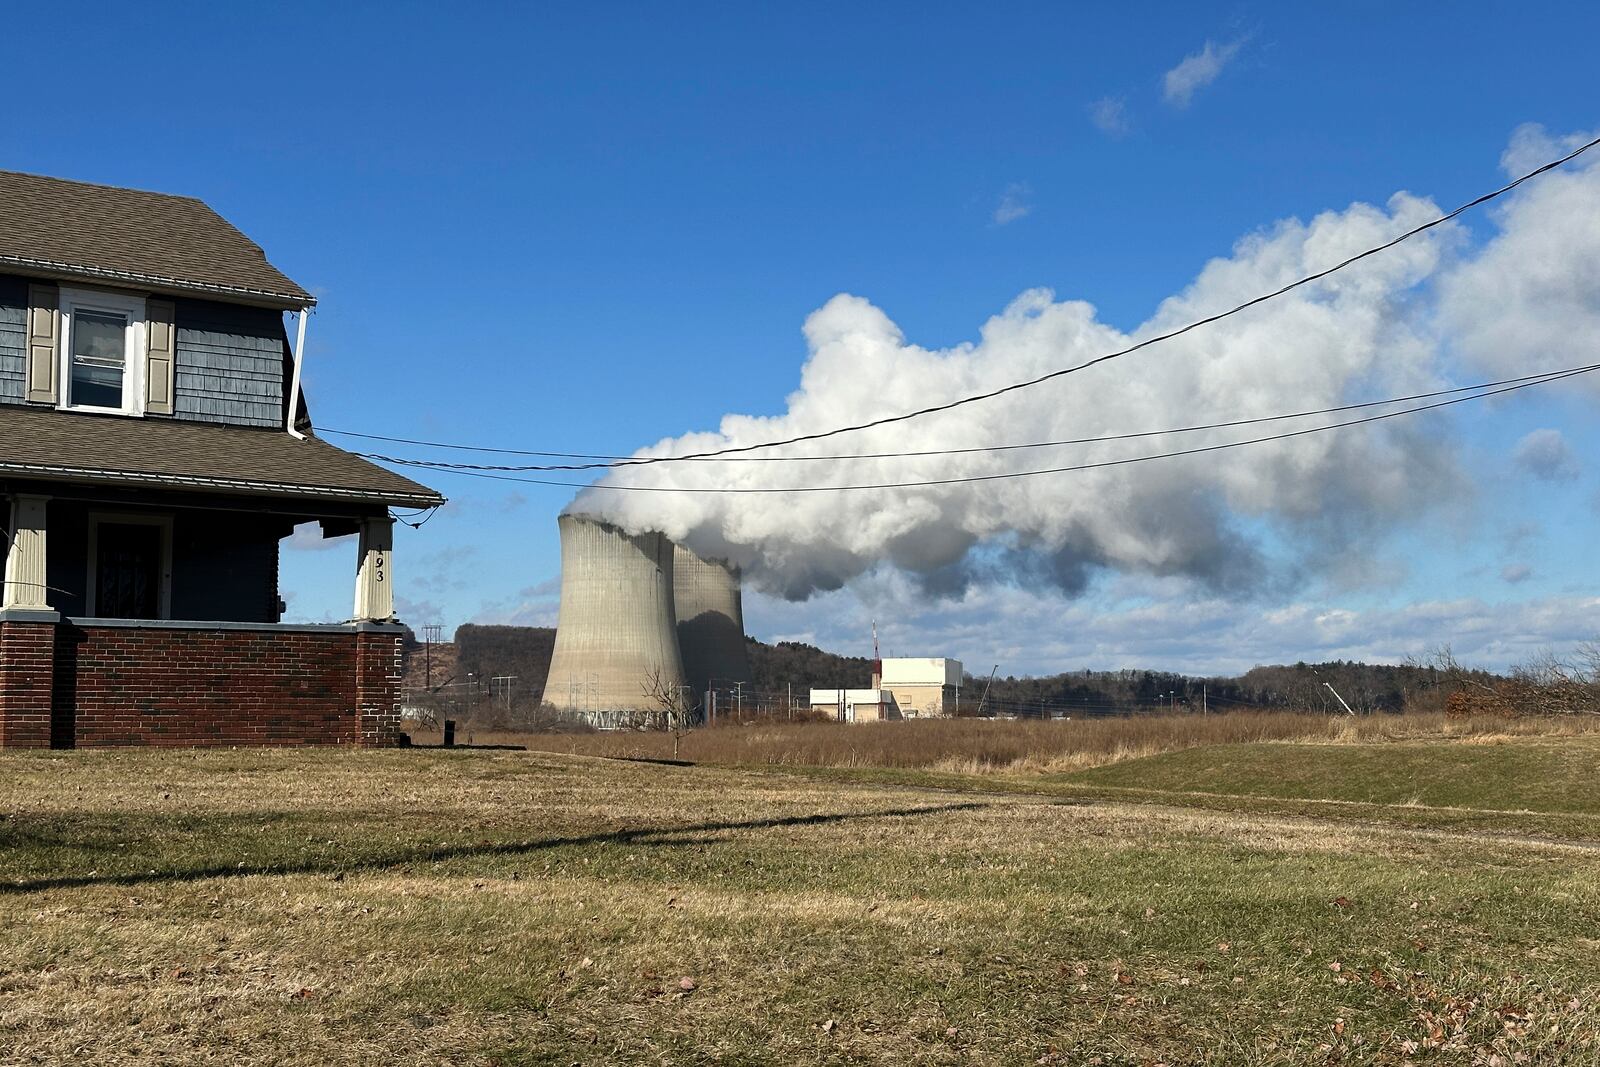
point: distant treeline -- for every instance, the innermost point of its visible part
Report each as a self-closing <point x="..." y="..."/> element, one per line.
<point x="485" y="652"/>
<point x="524" y="651"/>
<point x="1366" y="687"/>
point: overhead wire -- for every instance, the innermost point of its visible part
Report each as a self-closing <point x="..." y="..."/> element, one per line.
<point x="1231" y="423"/>
<point x="1063" y="371"/>
<point x="1008" y="475"/>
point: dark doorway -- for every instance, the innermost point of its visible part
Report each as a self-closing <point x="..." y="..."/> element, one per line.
<point x="127" y="570"/>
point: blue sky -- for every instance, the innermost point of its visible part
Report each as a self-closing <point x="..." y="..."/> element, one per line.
<point x="594" y="228"/>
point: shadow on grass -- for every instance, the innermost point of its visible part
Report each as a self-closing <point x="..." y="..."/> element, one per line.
<point x="668" y="836"/>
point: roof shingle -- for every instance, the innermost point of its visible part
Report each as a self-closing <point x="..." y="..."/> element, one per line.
<point x="108" y="449"/>
<point x="62" y="227"/>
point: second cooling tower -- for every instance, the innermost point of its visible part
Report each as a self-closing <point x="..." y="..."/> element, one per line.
<point x="617" y="638"/>
<point x="710" y="622"/>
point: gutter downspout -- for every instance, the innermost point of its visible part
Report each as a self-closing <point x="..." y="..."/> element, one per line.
<point x="294" y="386"/>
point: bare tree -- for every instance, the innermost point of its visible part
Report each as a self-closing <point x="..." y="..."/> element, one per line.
<point x="669" y="708"/>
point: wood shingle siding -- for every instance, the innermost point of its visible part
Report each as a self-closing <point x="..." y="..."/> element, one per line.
<point x="13" y="339"/>
<point x="229" y="364"/>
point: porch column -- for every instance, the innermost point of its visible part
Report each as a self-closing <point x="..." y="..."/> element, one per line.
<point x="27" y="631"/>
<point x="25" y="558"/>
<point x="374" y="581"/>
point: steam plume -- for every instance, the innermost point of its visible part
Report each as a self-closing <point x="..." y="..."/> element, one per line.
<point x="1402" y="322"/>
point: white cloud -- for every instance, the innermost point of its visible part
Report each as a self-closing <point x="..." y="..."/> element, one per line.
<point x="307" y="537"/>
<point x="1545" y="455"/>
<point x="1352" y="338"/>
<point x="535" y="605"/>
<point x="1513" y="573"/>
<point x="1530" y="301"/>
<point x="1211" y="532"/>
<point x="1013" y="204"/>
<point x="1110" y="115"/>
<point x="1029" y="631"/>
<point x="1197" y="71"/>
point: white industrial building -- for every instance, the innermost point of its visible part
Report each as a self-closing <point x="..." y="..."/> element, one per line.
<point x="922" y="688"/>
<point x="901" y="689"/>
<point x="854" y="705"/>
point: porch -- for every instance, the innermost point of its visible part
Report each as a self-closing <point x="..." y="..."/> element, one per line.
<point x="143" y="617"/>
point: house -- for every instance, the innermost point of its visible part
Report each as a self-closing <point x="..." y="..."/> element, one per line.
<point x="154" y="452"/>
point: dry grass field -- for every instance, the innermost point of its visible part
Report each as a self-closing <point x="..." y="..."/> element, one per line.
<point x="473" y="907"/>
<point x="1016" y="746"/>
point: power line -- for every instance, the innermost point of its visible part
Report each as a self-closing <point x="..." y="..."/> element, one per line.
<point x="1554" y="376"/>
<point x="448" y="466"/>
<point x="1013" y="387"/>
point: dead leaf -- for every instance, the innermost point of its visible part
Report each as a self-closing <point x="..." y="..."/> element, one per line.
<point x="1340" y="902"/>
<point x="687" y="984"/>
<point x="829" y="1026"/>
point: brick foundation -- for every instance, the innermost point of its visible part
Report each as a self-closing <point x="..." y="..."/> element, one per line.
<point x="79" y="683"/>
<point x="27" y="668"/>
<point x="377" y="675"/>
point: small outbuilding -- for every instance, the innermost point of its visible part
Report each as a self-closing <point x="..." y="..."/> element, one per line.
<point x="854" y="705"/>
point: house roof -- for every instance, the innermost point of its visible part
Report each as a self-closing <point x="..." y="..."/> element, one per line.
<point x="59" y="228"/>
<point x="173" y="454"/>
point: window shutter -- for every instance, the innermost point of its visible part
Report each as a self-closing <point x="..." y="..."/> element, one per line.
<point x="44" y="343"/>
<point x="160" y="350"/>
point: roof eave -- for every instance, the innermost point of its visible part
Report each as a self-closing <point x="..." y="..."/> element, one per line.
<point x="426" y="498"/>
<point x="43" y="268"/>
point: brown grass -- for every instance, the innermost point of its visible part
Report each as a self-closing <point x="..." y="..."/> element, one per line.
<point x="1013" y="746"/>
<point x="420" y="908"/>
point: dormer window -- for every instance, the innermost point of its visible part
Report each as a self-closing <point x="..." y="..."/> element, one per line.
<point x="102" y="345"/>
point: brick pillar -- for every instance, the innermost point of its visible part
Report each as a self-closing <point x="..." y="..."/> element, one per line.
<point x="27" y="682"/>
<point x="378" y="685"/>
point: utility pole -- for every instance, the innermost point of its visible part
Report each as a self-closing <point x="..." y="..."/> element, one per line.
<point x="790" y="703"/>
<point x="1339" y="698"/>
<point x="430" y="637"/>
<point x="1205" y="707"/>
<point x="984" y="700"/>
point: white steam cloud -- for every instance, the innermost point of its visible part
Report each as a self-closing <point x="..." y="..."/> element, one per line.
<point x="1233" y="521"/>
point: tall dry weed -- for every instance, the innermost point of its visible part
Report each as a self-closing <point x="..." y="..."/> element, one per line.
<point x="1028" y="746"/>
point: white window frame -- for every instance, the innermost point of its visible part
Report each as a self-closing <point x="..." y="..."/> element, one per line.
<point x="164" y="590"/>
<point x="73" y="300"/>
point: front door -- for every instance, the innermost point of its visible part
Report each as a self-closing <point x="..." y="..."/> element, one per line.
<point x="127" y="570"/>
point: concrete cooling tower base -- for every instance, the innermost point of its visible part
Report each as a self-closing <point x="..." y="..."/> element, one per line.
<point x="641" y="618"/>
<point x="617" y="638"/>
<point x="710" y="614"/>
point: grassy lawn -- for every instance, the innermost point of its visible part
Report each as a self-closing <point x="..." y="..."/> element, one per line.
<point x="509" y="908"/>
<point x="1525" y="774"/>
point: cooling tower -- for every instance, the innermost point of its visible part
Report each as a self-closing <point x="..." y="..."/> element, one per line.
<point x="710" y="622"/>
<point x="617" y="635"/>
